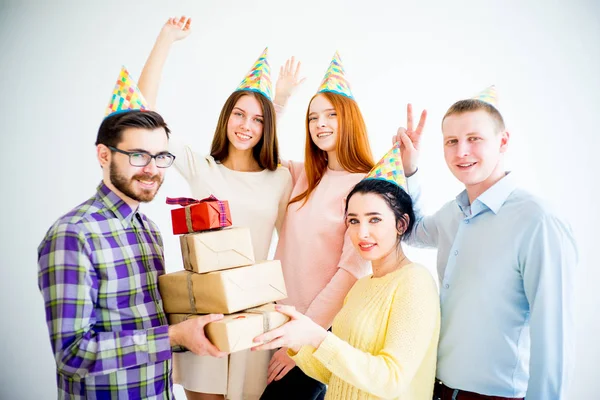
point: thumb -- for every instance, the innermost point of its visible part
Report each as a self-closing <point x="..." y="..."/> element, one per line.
<point x="207" y="319"/>
<point x="290" y="311"/>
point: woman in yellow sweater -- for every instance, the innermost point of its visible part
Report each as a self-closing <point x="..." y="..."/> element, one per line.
<point x="384" y="340"/>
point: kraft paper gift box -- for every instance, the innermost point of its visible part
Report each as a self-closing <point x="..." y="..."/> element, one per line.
<point x="217" y="250"/>
<point x="235" y="332"/>
<point x="199" y="215"/>
<point x="225" y="292"/>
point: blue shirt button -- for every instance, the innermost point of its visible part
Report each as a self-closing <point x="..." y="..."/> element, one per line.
<point x="466" y="221"/>
<point x="446" y="286"/>
<point x="455" y="252"/>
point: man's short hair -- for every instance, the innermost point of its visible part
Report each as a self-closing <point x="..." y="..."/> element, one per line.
<point x="111" y="130"/>
<point x="470" y="105"/>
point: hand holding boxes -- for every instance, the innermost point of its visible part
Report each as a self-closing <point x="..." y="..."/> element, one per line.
<point x="221" y="276"/>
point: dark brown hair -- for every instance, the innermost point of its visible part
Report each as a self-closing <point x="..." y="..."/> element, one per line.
<point x="111" y="129"/>
<point x="266" y="151"/>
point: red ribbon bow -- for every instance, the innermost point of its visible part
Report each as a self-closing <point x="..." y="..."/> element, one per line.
<point x="187" y="201"/>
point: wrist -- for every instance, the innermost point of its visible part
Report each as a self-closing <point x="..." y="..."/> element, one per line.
<point x="174" y="336"/>
<point x="165" y="38"/>
<point x="408" y="172"/>
<point x="281" y="100"/>
<point x="319" y="337"/>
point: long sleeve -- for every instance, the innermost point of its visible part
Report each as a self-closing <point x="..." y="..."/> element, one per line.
<point x="329" y="301"/>
<point x="425" y="231"/>
<point x="69" y="285"/>
<point x="310" y="365"/>
<point x="185" y="158"/>
<point x="548" y="267"/>
<point x="283" y="204"/>
<point x="412" y="323"/>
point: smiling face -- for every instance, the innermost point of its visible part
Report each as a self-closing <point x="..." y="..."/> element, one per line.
<point x="136" y="184"/>
<point x="245" y="123"/>
<point x="474" y="148"/>
<point x="323" y="123"/>
<point x="372" y="226"/>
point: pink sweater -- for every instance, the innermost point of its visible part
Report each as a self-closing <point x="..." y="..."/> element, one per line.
<point x="320" y="265"/>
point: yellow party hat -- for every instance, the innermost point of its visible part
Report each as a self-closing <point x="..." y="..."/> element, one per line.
<point x="259" y="77"/>
<point x="488" y="95"/>
<point x="335" y="78"/>
<point x="126" y="95"/>
<point x="389" y="168"/>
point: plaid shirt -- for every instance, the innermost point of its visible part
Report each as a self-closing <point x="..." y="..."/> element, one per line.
<point x="98" y="273"/>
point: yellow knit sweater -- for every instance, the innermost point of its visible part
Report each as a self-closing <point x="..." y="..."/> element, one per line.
<point x="384" y="340"/>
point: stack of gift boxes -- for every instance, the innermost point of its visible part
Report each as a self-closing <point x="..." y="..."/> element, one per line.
<point x="221" y="276"/>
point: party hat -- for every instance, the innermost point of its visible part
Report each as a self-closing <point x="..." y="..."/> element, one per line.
<point x="126" y="95"/>
<point x="259" y="78"/>
<point x="389" y="168"/>
<point x="335" y="78"/>
<point x="488" y="95"/>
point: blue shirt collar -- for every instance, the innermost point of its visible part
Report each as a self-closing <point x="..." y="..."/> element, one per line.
<point x="492" y="199"/>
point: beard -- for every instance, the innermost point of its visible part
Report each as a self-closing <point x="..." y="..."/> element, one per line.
<point x="126" y="185"/>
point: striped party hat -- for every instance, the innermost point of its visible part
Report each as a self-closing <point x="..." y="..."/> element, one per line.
<point x="389" y="168"/>
<point x="488" y="95"/>
<point x="259" y="78"/>
<point x="335" y="78"/>
<point x="126" y="95"/>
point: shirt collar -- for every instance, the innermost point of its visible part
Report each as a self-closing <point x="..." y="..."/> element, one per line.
<point x="115" y="204"/>
<point x="491" y="199"/>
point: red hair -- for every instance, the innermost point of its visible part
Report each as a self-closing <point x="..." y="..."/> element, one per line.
<point x="352" y="148"/>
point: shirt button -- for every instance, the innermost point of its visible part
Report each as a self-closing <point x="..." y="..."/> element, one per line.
<point x="455" y="252"/>
<point x="446" y="286"/>
<point x="466" y="221"/>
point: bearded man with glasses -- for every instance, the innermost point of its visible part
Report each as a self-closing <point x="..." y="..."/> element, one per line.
<point x="98" y="273"/>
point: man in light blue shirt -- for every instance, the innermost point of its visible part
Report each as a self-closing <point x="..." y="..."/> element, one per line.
<point x="506" y="265"/>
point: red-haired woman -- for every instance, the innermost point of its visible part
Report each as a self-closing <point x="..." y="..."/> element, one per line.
<point x="319" y="262"/>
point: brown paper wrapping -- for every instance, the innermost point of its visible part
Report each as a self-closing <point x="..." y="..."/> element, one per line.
<point x="225" y="292"/>
<point x="235" y="332"/>
<point x="217" y="250"/>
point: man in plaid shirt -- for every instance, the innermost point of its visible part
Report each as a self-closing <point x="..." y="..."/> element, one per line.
<point x="98" y="273"/>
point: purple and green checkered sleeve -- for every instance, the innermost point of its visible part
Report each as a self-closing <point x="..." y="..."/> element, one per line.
<point x="69" y="286"/>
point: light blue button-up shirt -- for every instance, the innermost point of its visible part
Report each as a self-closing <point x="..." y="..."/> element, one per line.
<point x="506" y="265"/>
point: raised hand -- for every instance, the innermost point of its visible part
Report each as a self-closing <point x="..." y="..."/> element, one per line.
<point x="410" y="141"/>
<point x="177" y="28"/>
<point x="287" y="82"/>
<point x="173" y="30"/>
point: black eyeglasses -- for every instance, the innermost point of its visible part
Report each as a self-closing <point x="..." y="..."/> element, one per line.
<point x="141" y="159"/>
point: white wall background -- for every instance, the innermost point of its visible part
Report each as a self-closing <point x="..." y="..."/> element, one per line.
<point x="59" y="61"/>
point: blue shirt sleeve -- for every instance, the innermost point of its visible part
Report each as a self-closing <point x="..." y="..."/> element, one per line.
<point x="425" y="230"/>
<point x="548" y="265"/>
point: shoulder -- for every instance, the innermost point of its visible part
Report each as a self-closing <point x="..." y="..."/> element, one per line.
<point x="282" y="175"/>
<point x="295" y="168"/>
<point x="531" y="210"/>
<point x="76" y="219"/>
<point x="416" y="274"/>
<point x="416" y="282"/>
<point x="70" y="231"/>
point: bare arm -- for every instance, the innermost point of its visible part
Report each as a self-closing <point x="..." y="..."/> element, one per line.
<point x="174" y="29"/>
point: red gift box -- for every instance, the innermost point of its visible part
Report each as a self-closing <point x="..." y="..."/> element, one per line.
<point x="199" y="215"/>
